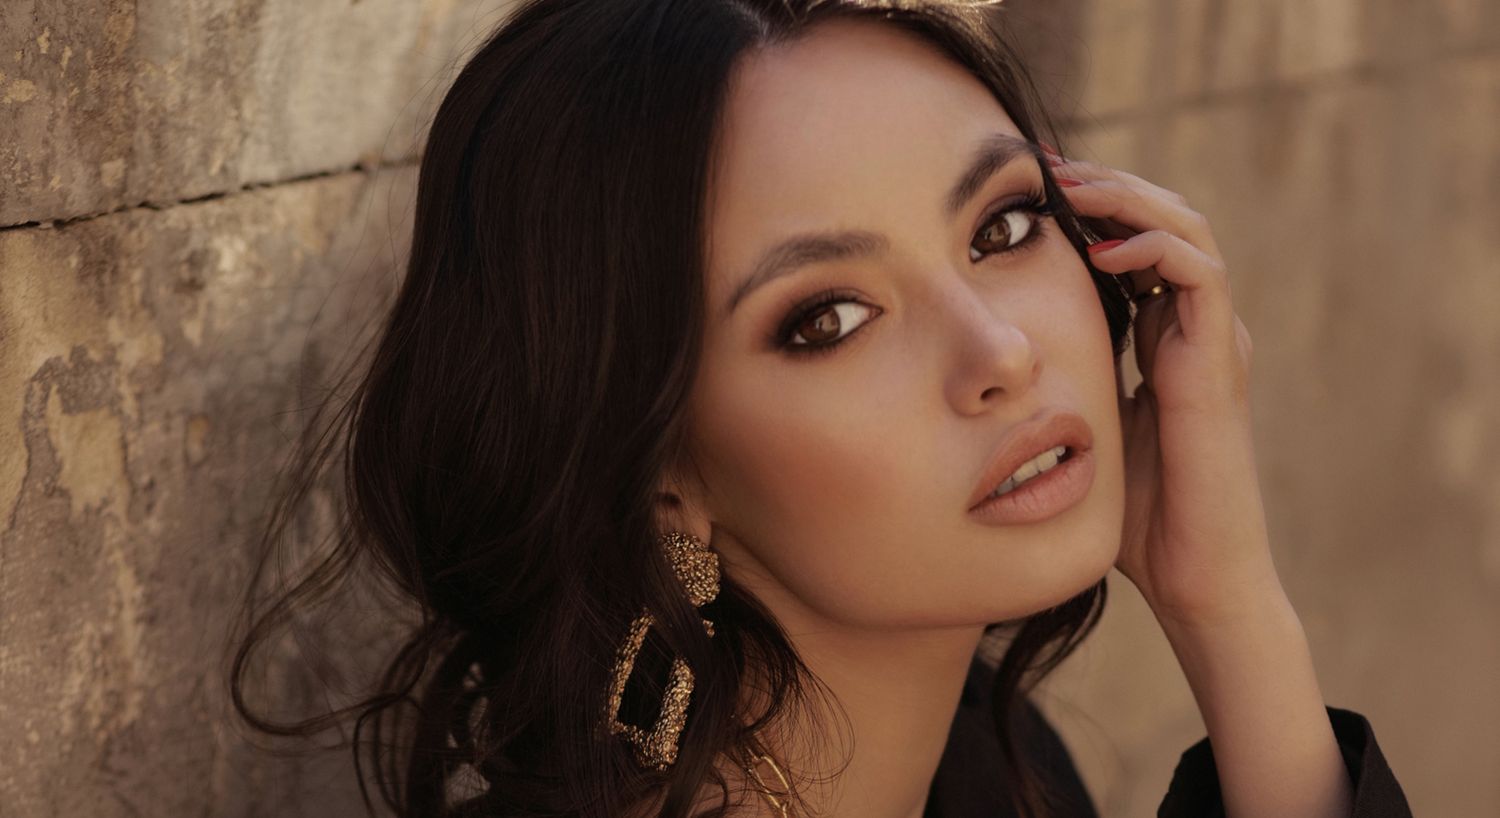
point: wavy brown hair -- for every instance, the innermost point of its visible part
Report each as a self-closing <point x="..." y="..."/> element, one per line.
<point x="501" y="445"/>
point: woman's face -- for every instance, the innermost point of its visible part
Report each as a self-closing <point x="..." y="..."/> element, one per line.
<point x="838" y="482"/>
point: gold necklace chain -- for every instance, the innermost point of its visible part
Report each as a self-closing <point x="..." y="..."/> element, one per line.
<point x="782" y="807"/>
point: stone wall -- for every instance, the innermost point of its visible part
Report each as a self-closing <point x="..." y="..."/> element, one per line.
<point x="203" y="202"/>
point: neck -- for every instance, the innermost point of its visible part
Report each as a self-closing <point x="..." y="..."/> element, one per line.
<point x="896" y="691"/>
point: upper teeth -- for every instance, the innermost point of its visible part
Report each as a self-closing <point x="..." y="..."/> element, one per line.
<point x="1030" y="469"/>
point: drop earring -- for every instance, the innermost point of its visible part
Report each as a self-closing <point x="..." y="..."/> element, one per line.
<point x="697" y="567"/>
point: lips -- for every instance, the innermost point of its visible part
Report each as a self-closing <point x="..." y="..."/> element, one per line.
<point x="1047" y="429"/>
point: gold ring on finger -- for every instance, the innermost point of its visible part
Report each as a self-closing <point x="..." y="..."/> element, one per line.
<point x="1159" y="289"/>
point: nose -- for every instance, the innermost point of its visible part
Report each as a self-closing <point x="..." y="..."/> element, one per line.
<point x="999" y="362"/>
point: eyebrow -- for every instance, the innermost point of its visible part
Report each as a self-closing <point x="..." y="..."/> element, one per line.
<point x="993" y="154"/>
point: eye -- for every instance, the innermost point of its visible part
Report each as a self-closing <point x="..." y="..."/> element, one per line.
<point x="821" y="328"/>
<point x="1010" y="227"/>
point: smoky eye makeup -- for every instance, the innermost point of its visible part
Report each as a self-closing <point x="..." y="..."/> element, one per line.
<point x="1025" y="213"/>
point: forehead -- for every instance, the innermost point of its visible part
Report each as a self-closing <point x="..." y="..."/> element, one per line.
<point x="853" y="125"/>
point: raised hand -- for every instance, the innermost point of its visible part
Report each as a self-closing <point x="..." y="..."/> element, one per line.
<point x="1195" y="540"/>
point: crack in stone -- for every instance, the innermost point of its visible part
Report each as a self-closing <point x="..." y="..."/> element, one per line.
<point x="1366" y="72"/>
<point x="357" y="167"/>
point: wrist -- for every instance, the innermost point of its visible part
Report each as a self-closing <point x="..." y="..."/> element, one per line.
<point x="1253" y="679"/>
<point x="1226" y="599"/>
<point x="1246" y="611"/>
<point x="1257" y="640"/>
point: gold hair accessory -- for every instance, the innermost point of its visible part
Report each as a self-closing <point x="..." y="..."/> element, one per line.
<point x="697" y="567"/>
<point x="1159" y="289"/>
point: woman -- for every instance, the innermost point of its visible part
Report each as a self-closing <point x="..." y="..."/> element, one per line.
<point x="753" y="363"/>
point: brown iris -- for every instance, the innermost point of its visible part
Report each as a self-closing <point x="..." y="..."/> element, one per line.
<point x="998" y="232"/>
<point x="825" y="320"/>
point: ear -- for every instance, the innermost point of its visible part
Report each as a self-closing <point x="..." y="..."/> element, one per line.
<point x="680" y="505"/>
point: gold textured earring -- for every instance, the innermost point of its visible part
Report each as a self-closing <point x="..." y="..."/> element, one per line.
<point x="697" y="567"/>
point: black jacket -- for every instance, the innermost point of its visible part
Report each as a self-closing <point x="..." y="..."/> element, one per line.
<point x="968" y="783"/>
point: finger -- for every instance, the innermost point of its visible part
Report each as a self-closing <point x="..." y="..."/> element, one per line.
<point x="1079" y="169"/>
<point x="1141" y="210"/>
<point x="1201" y="298"/>
<point x="1190" y="221"/>
<point x="1151" y="317"/>
<point x="1242" y="341"/>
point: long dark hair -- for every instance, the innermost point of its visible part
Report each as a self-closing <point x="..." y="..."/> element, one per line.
<point x="501" y="448"/>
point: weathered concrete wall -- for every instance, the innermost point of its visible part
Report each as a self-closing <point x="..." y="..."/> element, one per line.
<point x="112" y="104"/>
<point x="196" y="194"/>
<point x="202" y="202"/>
<point x="1347" y="155"/>
<point x="150" y="378"/>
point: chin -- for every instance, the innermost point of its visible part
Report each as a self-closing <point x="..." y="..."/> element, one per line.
<point x="1058" y="576"/>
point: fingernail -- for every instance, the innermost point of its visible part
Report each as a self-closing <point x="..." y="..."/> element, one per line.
<point x="1048" y="148"/>
<point x="1063" y="181"/>
<point x="1105" y="245"/>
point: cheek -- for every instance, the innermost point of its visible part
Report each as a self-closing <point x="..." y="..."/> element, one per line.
<point x="810" y="494"/>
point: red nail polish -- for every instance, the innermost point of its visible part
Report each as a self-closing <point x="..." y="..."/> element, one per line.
<point x="1048" y="148"/>
<point x="1063" y="181"/>
<point x="1105" y="245"/>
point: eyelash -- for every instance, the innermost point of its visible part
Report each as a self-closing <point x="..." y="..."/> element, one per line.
<point x="1031" y="202"/>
